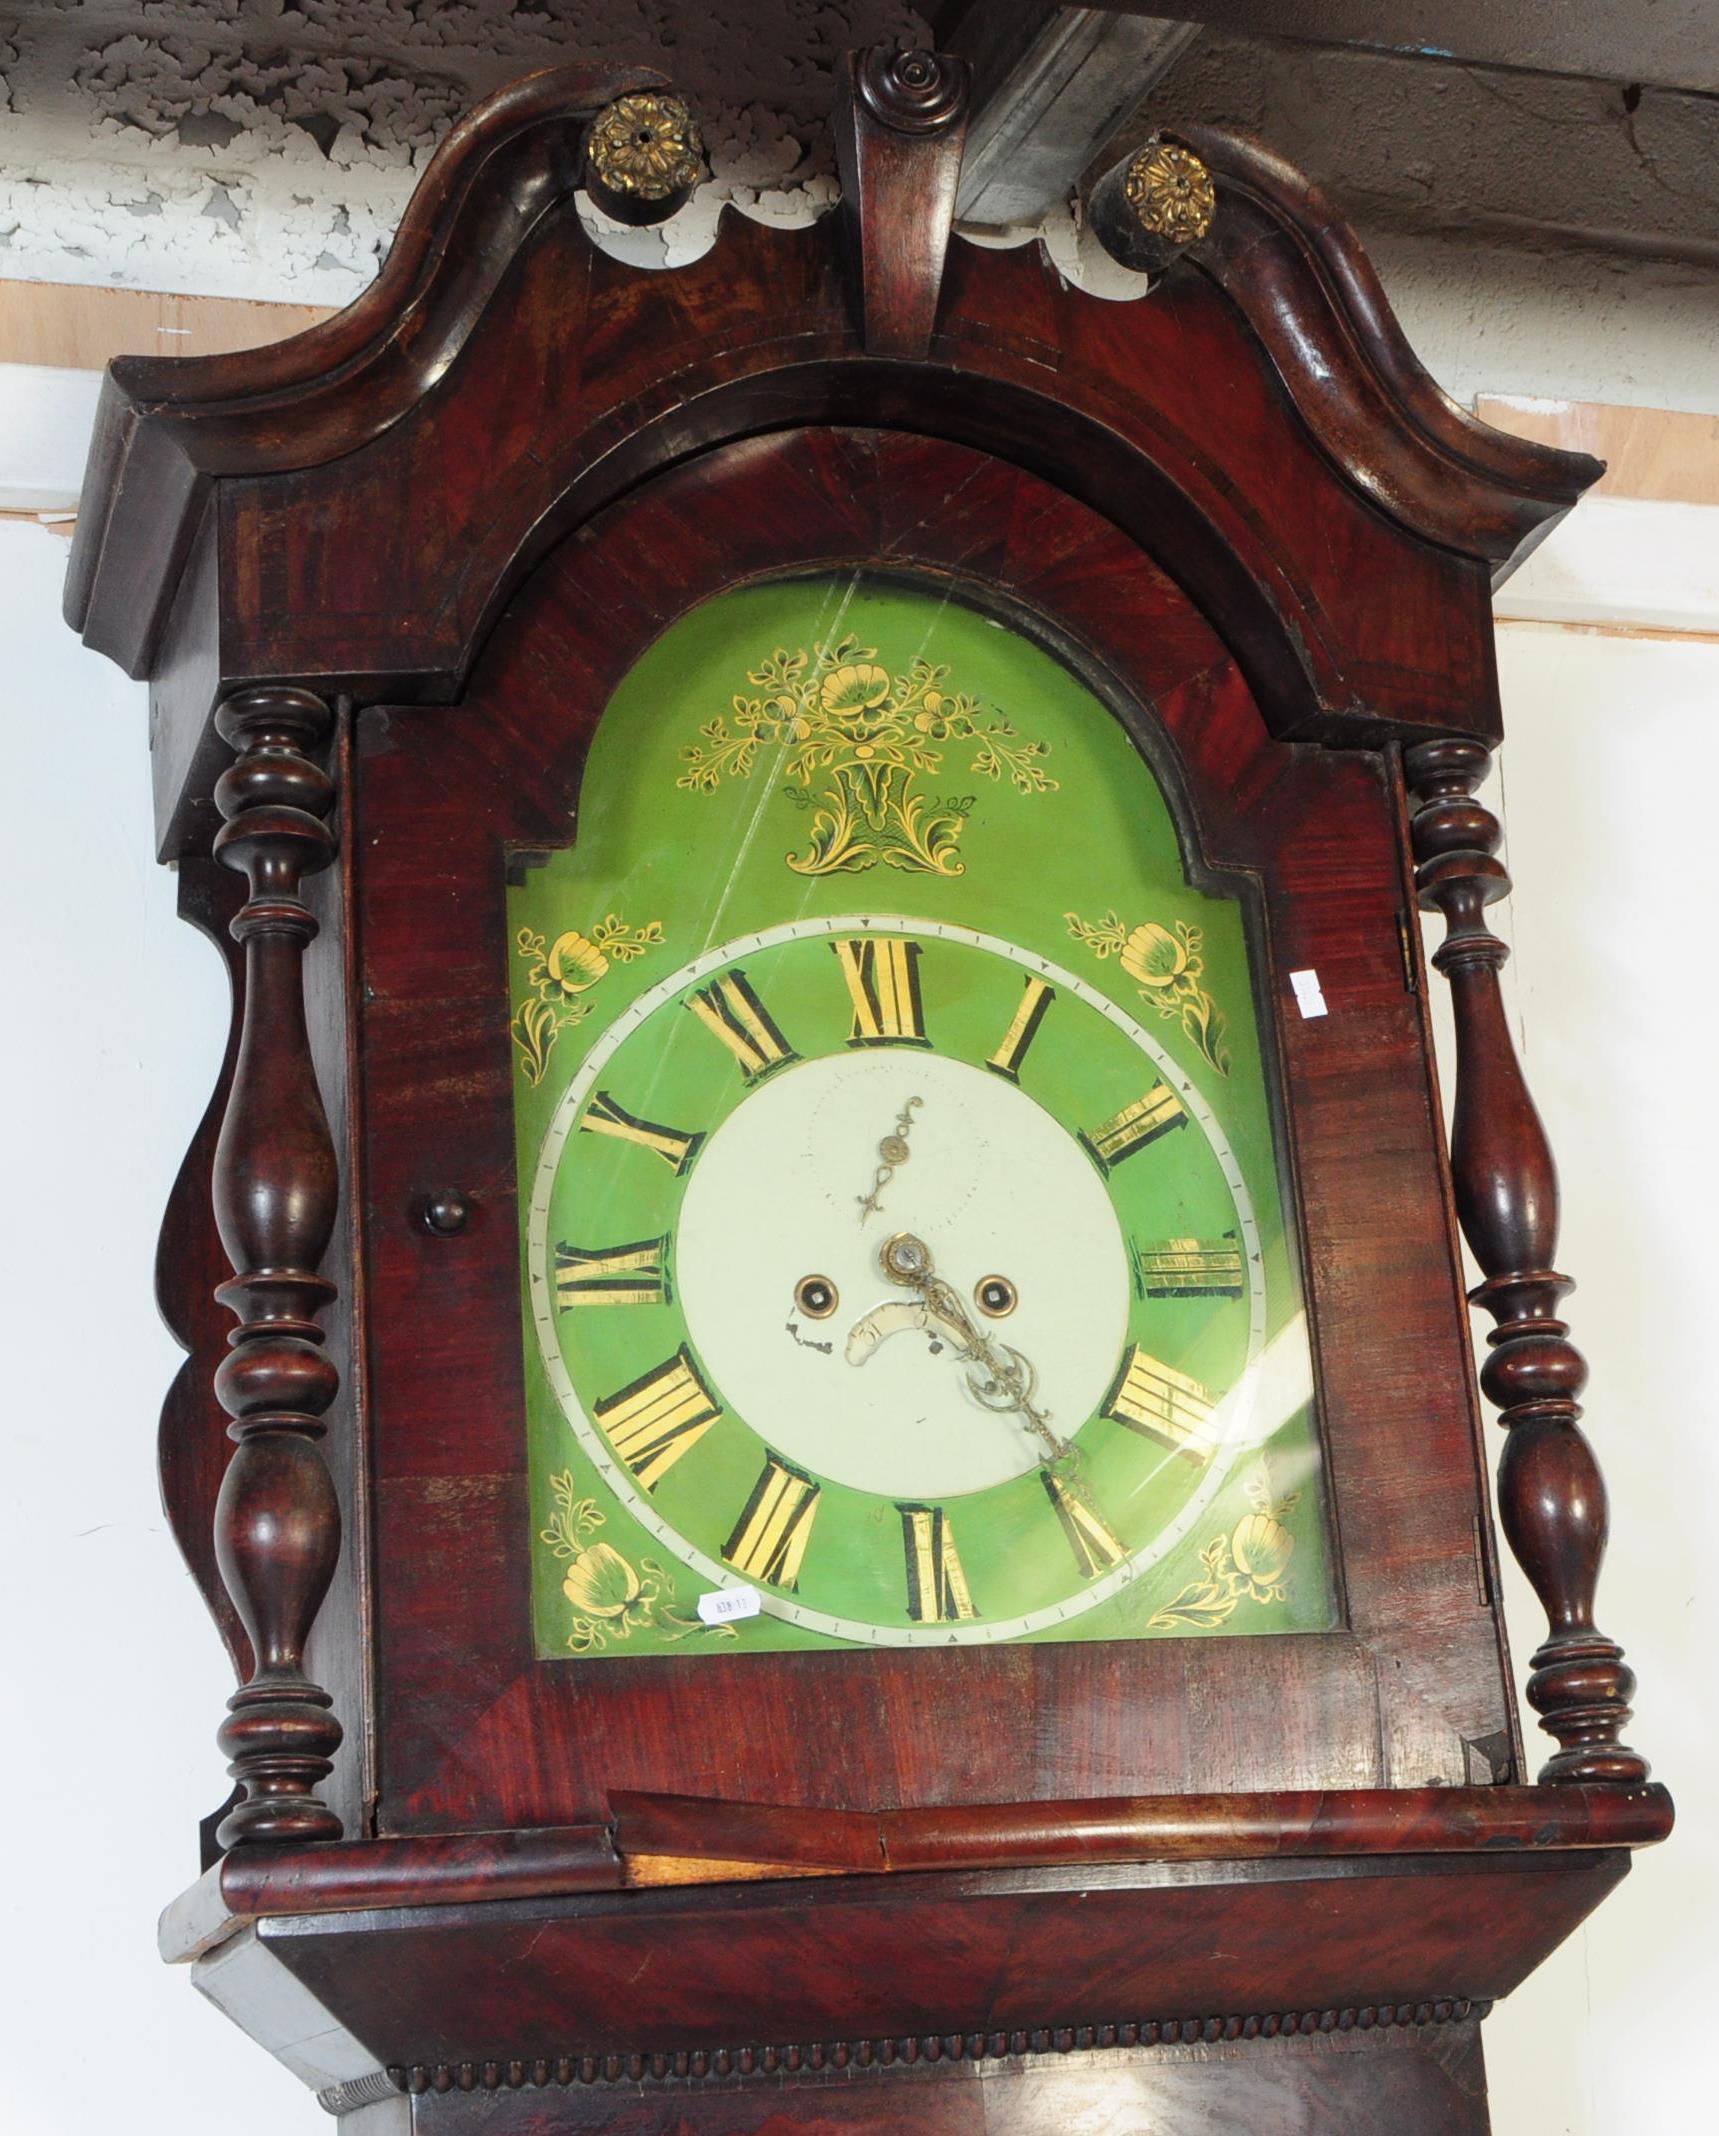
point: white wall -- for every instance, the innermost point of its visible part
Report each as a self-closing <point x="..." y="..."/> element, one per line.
<point x="115" y="1015"/>
<point x="117" y="1019"/>
<point x="1607" y="800"/>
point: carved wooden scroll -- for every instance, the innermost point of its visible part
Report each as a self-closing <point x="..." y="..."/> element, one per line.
<point x="277" y="1521"/>
<point x="901" y="123"/>
<point x="1551" y="1496"/>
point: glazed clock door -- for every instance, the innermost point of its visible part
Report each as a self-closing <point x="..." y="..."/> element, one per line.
<point x="902" y="1225"/>
<point x="902" y="1212"/>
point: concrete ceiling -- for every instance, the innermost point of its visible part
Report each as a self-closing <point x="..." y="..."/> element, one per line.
<point x="267" y="148"/>
<point x="1673" y="44"/>
<point x="1424" y="146"/>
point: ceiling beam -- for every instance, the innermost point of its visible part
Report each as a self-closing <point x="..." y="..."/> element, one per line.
<point x="1671" y="44"/>
<point x="1050" y="86"/>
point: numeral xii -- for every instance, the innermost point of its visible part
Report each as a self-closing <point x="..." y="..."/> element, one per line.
<point x="882" y="972"/>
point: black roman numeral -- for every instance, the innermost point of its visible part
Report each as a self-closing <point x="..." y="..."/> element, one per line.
<point x="1095" y="1548"/>
<point x="1163" y="1404"/>
<point x="732" y="1012"/>
<point x="770" y="1537"/>
<point x="1035" y="1000"/>
<point x="604" y="1117"/>
<point x="616" y="1275"/>
<point x="936" y="1585"/>
<point x="1117" y="1138"/>
<point x="882" y="973"/>
<point x="1192" y="1268"/>
<point x="660" y="1417"/>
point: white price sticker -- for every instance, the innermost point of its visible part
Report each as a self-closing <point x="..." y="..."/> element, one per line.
<point x="1308" y="999"/>
<point x="724" y="1604"/>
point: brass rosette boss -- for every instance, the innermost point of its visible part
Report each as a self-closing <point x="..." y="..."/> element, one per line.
<point x="1149" y="208"/>
<point x="643" y="157"/>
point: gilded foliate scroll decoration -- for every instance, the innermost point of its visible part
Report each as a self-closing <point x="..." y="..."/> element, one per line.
<point x="1250" y="1563"/>
<point x="1168" y="966"/>
<point x="559" y="975"/>
<point x="869" y="740"/>
<point x="1170" y="191"/>
<point x="611" y="1597"/>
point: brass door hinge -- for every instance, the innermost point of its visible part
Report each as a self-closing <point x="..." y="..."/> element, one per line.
<point x="1406" y="947"/>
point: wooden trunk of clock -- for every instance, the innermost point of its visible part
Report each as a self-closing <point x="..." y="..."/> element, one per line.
<point x="528" y="1836"/>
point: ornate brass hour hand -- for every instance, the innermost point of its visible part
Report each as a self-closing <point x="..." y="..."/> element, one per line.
<point x="892" y="1152"/>
<point x="998" y="1376"/>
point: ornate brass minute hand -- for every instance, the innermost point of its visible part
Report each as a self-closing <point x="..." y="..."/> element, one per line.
<point x="998" y="1377"/>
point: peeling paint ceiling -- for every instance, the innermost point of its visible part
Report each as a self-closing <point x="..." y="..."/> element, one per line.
<point x="267" y="149"/>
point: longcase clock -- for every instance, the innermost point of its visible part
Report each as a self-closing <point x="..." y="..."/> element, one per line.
<point x="829" y="1407"/>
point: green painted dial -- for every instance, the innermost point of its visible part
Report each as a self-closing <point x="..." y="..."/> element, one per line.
<point x="903" y="1255"/>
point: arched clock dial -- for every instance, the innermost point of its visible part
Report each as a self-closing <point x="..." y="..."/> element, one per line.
<point x="896" y="1273"/>
<point x="868" y="1338"/>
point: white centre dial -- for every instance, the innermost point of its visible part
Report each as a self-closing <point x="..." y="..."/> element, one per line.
<point x="994" y="1187"/>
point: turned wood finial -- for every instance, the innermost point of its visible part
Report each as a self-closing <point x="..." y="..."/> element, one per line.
<point x="277" y="1520"/>
<point x="901" y="124"/>
<point x="1551" y="1496"/>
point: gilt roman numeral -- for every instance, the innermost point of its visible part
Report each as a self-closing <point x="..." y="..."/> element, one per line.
<point x="660" y="1417"/>
<point x="1095" y="1548"/>
<point x="882" y="973"/>
<point x="936" y="1585"/>
<point x="1035" y="999"/>
<point x="604" y="1117"/>
<point x="733" y="1013"/>
<point x="618" y="1275"/>
<point x="1163" y="1404"/>
<point x="1135" y="1126"/>
<point x="769" y="1538"/>
<point x="1192" y="1268"/>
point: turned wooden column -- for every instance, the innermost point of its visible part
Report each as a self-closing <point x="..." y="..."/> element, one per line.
<point x="277" y="1520"/>
<point x="1551" y="1496"/>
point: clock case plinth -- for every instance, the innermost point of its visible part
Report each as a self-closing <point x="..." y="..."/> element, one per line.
<point x="405" y="558"/>
<point x="833" y="1956"/>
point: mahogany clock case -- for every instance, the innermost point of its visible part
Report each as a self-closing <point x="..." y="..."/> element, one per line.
<point x="456" y="516"/>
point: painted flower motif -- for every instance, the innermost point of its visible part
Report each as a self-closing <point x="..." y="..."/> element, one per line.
<point x="560" y="976"/>
<point x="1153" y="956"/>
<point x="777" y="719"/>
<point x="610" y="1600"/>
<point x="600" y="1582"/>
<point x="574" y="963"/>
<point x="855" y="687"/>
<point x="1262" y="1548"/>
<point x="872" y="734"/>
<point x="932" y="718"/>
<point x="1247" y="1565"/>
